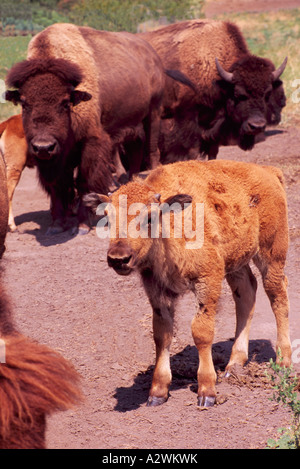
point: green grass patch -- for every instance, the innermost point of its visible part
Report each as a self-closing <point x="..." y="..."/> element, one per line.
<point x="12" y="50"/>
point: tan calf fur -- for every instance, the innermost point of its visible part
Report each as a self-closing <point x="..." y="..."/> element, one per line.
<point x="14" y="149"/>
<point x="245" y="219"/>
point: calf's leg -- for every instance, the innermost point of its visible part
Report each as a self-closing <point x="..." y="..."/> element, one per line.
<point x="203" y="326"/>
<point x="243" y="285"/>
<point x="275" y="285"/>
<point x="163" y="305"/>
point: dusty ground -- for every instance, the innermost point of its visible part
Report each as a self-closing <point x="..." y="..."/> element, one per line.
<point x="65" y="296"/>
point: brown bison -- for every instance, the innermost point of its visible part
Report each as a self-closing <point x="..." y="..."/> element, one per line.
<point x="238" y="93"/>
<point x="35" y="381"/>
<point x="14" y="148"/>
<point x="225" y="214"/>
<point x="121" y="82"/>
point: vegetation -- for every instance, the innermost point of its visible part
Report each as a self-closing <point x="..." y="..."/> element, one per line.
<point x="285" y="392"/>
<point x="272" y="34"/>
<point x="116" y="15"/>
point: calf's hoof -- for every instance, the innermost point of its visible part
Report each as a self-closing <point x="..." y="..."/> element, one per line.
<point x="206" y="401"/>
<point x="154" y="401"/>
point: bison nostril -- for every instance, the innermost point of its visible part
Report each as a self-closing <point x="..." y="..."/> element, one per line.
<point x="258" y="125"/>
<point x="43" y="147"/>
<point x="118" y="262"/>
<point x="126" y="260"/>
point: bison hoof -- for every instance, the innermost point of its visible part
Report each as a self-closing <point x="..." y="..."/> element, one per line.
<point x="154" y="401"/>
<point x="206" y="401"/>
<point x="54" y="230"/>
<point x="83" y="229"/>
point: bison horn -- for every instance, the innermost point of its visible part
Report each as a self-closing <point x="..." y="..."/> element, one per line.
<point x="276" y="74"/>
<point x="227" y="76"/>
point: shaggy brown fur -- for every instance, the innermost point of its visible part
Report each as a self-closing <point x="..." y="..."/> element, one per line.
<point x="192" y="47"/>
<point x="35" y="381"/>
<point x="245" y="218"/>
<point x="122" y="81"/>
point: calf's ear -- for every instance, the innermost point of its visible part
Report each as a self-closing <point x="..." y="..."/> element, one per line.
<point x="182" y="200"/>
<point x="13" y="96"/>
<point x="93" y="199"/>
<point x="78" y="96"/>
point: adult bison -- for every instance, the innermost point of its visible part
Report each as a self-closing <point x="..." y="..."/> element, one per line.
<point x="225" y="214"/>
<point x="238" y="93"/>
<point x="121" y="82"/>
<point x="35" y="381"/>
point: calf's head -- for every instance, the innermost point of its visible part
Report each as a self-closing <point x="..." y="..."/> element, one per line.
<point x="135" y="215"/>
<point x="46" y="91"/>
<point x="254" y="94"/>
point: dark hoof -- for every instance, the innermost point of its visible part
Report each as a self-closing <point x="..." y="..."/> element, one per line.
<point x="155" y="401"/>
<point x="83" y="229"/>
<point x="206" y="401"/>
<point x="54" y="230"/>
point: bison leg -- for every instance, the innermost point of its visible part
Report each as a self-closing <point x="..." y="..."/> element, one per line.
<point x="203" y="326"/>
<point x="243" y="285"/>
<point x="134" y="152"/>
<point x="163" y="305"/>
<point x="13" y="177"/>
<point x="163" y="334"/>
<point x="62" y="198"/>
<point x="203" y="332"/>
<point x="275" y="285"/>
<point x="152" y="129"/>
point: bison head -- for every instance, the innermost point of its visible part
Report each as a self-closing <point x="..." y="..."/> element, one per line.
<point x="253" y="95"/>
<point x="46" y="91"/>
<point x="138" y="221"/>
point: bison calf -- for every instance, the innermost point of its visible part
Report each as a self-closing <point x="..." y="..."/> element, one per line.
<point x="244" y="219"/>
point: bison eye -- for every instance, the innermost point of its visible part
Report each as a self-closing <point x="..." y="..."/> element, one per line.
<point x="240" y="98"/>
<point x="65" y="105"/>
<point x="24" y="104"/>
<point x="267" y="96"/>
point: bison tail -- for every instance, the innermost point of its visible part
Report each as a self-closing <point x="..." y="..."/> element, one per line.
<point x="35" y="381"/>
<point x="177" y="75"/>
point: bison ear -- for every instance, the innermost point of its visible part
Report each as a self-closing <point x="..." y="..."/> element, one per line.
<point x="182" y="200"/>
<point x="93" y="199"/>
<point x="78" y="96"/>
<point x="13" y="96"/>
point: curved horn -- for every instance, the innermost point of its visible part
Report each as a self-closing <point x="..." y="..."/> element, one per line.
<point x="227" y="76"/>
<point x="276" y="74"/>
